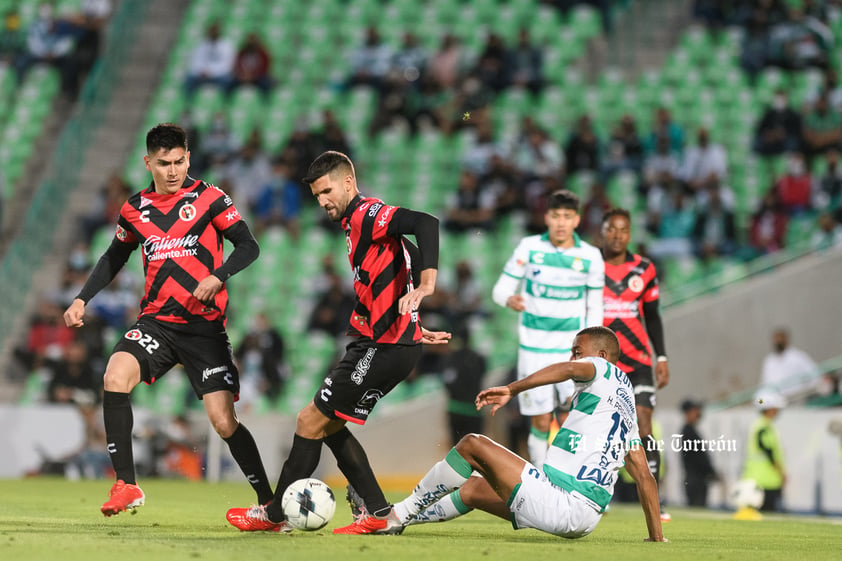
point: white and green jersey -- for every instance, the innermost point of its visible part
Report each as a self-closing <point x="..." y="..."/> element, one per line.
<point x="562" y="291"/>
<point x="590" y="448"/>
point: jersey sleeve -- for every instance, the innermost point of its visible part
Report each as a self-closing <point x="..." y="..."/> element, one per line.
<point x="223" y="212"/>
<point x="377" y="219"/>
<point x="124" y="232"/>
<point x="652" y="290"/>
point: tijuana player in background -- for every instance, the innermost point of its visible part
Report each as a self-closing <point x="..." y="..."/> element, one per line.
<point x="631" y="311"/>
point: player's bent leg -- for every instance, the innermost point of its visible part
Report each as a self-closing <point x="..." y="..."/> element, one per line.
<point x="122" y="373"/>
<point x="450" y="507"/>
<point x="500" y="466"/>
<point x="478" y="494"/>
<point x="219" y="406"/>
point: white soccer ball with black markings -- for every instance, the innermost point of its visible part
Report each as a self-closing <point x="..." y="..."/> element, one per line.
<point x="308" y="504"/>
<point x="747" y="493"/>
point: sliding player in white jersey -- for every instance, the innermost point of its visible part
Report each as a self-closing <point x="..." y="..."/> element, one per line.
<point x="555" y="281"/>
<point x="568" y="496"/>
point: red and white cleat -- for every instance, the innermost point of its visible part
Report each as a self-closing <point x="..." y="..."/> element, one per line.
<point x="254" y="519"/>
<point x="122" y="496"/>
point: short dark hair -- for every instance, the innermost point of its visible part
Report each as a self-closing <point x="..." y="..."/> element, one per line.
<point x="616" y="211"/>
<point x="166" y="136"/>
<point x="605" y="339"/>
<point x="328" y="162"/>
<point x="563" y="198"/>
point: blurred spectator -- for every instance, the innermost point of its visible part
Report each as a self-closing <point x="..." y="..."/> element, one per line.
<point x="116" y="304"/>
<point x="665" y="128"/>
<point x="392" y="102"/>
<point x="660" y="170"/>
<point x="672" y="222"/>
<point x="91" y="460"/>
<point x="466" y="296"/>
<point x="462" y="374"/>
<point x="211" y="62"/>
<point x="248" y="172"/>
<point x="90" y="24"/>
<point x="477" y="156"/>
<point x="524" y="64"/>
<point x="252" y="64"/>
<point x="334" y="304"/>
<point x="105" y="208"/>
<point x="756" y="49"/>
<point x="704" y="164"/>
<point x="821" y="129"/>
<point x="427" y="105"/>
<point x="490" y="67"/>
<point x="715" y="231"/>
<point x="333" y="136"/>
<point x="48" y="337"/>
<point x="74" y="377"/>
<point x="410" y="60"/>
<point x="582" y="150"/>
<point x="50" y="41"/>
<point x="794" y="188"/>
<point x="218" y="144"/>
<point x="827" y="189"/>
<point x="370" y="62"/>
<point x="537" y="155"/>
<point x="301" y="149"/>
<point x="279" y="201"/>
<point x="801" y="41"/>
<point x="181" y="456"/>
<point x="12" y="39"/>
<point x="472" y="98"/>
<point x="625" y="149"/>
<point x="469" y="207"/>
<point x="261" y="359"/>
<point x="830" y="86"/>
<point x="595" y="206"/>
<point x="779" y="129"/>
<point x="829" y="233"/>
<point x="698" y="470"/>
<point x="447" y="63"/>
<point x="767" y="231"/>
<point x="787" y="370"/>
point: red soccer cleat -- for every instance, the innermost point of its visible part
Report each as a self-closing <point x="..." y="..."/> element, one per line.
<point x="254" y="519"/>
<point x="122" y="496"/>
<point x="367" y="524"/>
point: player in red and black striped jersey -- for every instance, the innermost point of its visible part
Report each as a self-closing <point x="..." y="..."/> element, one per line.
<point x="179" y="222"/>
<point x="391" y="278"/>
<point x="630" y="299"/>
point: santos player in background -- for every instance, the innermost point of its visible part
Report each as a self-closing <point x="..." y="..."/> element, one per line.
<point x="555" y="281"/>
<point x="631" y="311"/>
<point x="179" y="222"/>
<point x="568" y="495"/>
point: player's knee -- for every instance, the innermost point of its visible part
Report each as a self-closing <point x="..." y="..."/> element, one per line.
<point x="469" y="444"/>
<point x="224" y="425"/>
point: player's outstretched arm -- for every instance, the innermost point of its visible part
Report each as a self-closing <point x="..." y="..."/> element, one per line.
<point x="647" y="491"/>
<point x="499" y="396"/>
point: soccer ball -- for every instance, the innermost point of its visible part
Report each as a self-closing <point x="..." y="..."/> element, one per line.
<point x="747" y="494"/>
<point x="308" y="504"/>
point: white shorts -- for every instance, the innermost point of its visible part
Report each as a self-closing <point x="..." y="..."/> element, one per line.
<point x="537" y="503"/>
<point x="544" y="399"/>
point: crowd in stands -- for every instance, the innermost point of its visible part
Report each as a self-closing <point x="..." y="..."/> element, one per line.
<point x="681" y="174"/>
<point x="68" y="42"/>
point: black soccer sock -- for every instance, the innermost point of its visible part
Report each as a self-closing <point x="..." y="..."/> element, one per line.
<point x="245" y="452"/>
<point x="353" y="463"/>
<point x="117" y="414"/>
<point x="301" y="462"/>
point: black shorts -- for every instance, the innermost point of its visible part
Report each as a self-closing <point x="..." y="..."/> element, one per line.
<point x="366" y="373"/>
<point x="643" y="381"/>
<point x="204" y="350"/>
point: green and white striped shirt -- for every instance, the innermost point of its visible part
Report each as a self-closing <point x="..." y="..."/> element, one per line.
<point x="562" y="291"/>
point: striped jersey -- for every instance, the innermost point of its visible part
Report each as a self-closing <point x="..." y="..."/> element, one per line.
<point x="555" y="284"/>
<point x="628" y="287"/>
<point x="382" y="274"/>
<point x="181" y="239"/>
<point x="590" y="448"/>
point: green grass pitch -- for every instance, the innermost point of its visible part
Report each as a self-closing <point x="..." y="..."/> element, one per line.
<point x="54" y="519"/>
